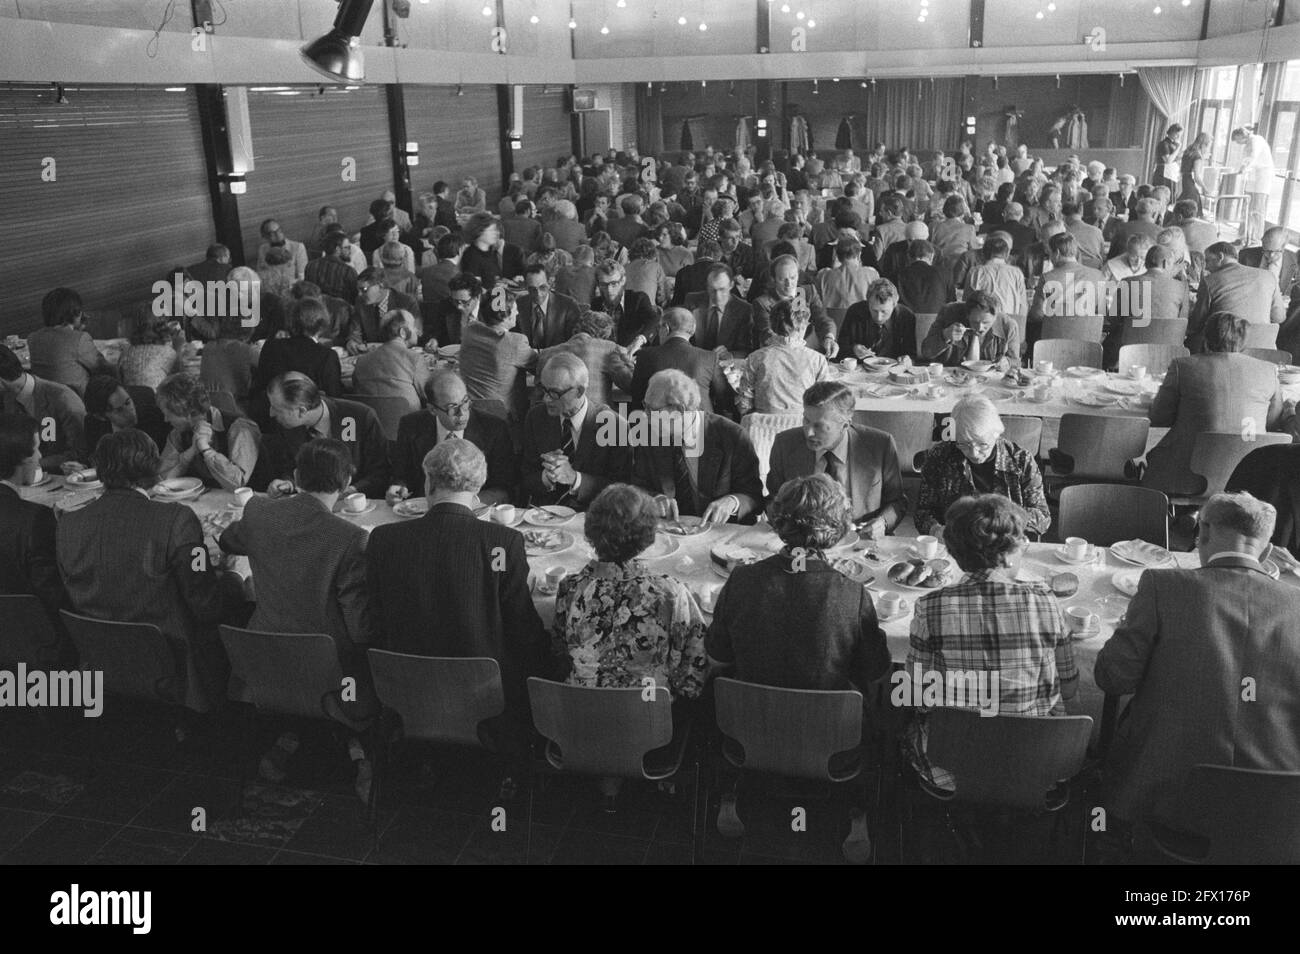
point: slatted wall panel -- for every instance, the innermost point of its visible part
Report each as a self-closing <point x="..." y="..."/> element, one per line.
<point x="299" y="147"/>
<point x="547" y="134"/>
<point x="128" y="197"/>
<point x="458" y="137"/>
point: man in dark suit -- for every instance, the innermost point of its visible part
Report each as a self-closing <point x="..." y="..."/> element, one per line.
<point x="546" y="318"/>
<point x="711" y="473"/>
<point x="784" y="286"/>
<point x="1141" y="222"/>
<point x="27" y="562"/>
<point x="676" y="351"/>
<point x="374" y="301"/>
<point x="722" y="320"/>
<point x="573" y="448"/>
<point x="739" y="256"/>
<point x="863" y="460"/>
<point x="214" y="267"/>
<point x="24" y="393"/>
<point x="1190" y="641"/>
<point x="1279" y="261"/>
<point x="695" y="277"/>
<point x="130" y="559"/>
<point x="635" y="318"/>
<point x="300" y="413"/>
<point x="302" y="352"/>
<point x="1227" y="285"/>
<point x="450" y="414"/>
<point x="449" y="584"/>
<point x="921" y="286"/>
<point x="1022" y="236"/>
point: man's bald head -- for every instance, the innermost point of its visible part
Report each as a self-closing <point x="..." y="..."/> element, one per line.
<point x="678" y="321"/>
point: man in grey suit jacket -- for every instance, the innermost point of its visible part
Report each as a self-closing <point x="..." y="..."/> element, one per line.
<point x="1230" y="286"/>
<point x="1214" y="391"/>
<point x="46" y="402"/>
<point x="1274" y="257"/>
<point x="676" y="351"/>
<point x="862" y="459"/>
<point x="1152" y="296"/>
<point x="130" y="559"/>
<point x="546" y="318"/>
<point x="721" y="319"/>
<point x="1188" y="644"/>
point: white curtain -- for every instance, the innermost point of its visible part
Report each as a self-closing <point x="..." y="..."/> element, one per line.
<point x="1170" y="89"/>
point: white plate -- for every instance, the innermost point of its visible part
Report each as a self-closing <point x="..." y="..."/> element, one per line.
<point x="449" y="351"/>
<point x="552" y="516"/>
<point x="878" y="364"/>
<point x="684" y="526"/>
<point x="1126" y="581"/>
<point x="950" y="578"/>
<point x="664" y="545"/>
<point x="855" y="569"/>
<point x="344" y="512"/>
<point x="887" y="391"/>
<point x="977" y="367"/>
<point x="486" y="517"/>
<point x="1061" y="555"/>
<point x="84" y="480"/>
<point x="537" y="542"/>
<point x="998" y="394"/>
<point x="724" y="556"/>
<point x="1096" y="400"/>
<point x="1082" y="371"/>
<point x="177" y="487"/>
<point x="1143" y="554"/>
<point x="1124" y="386"/>
<point x="416" y="507"/>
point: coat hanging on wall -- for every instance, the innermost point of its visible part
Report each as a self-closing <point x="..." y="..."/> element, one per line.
<point x="1011" y="127"/>
<point x="688" y="144"/>
<point x="1070" y="131"/>
<point x="844" y="135"/>
<point x="800" y="134"/>
<point x="742" y="134"/>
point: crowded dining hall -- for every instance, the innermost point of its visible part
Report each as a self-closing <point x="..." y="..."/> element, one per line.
<point x="582" y="432"/>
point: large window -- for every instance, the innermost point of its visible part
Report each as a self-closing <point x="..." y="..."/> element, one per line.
<point x="1284" y="135"/>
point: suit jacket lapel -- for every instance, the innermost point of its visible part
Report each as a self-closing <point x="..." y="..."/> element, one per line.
<point x="710" y="462"/>
<point x="859" y="482"/>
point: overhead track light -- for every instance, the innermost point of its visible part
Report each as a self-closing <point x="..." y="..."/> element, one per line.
<point x="338" y="54"/>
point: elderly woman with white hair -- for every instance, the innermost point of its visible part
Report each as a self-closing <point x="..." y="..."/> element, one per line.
<point x="979" y="460"/>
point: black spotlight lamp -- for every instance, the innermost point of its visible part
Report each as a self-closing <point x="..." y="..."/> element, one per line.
<point x="338" y="54"/>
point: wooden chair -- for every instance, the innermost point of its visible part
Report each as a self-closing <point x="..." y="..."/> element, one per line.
<point x="1105" y="513"/>
<point x="1240" y="816"/>
<point x="1216" y="454"/>
<point x="912" y="432"/>
<point x="1065" y="353"/>
<point x="1082" y="328"/>
<point x="137" y="660"/>
<point x="1091" y="448"/>
<point x="390" y="410"/>
<point x="1260" y="335"/>
<point x="26" y="633"/>
<point x="1271" y="355"/>
<point x="924" y="322"/>
<point x="1008" y="762"/>
<point x="1024" y="432"/>
<point x="1156" y="358"/>
<point x="1165" y="331"/>
<point x="762" y="430"/>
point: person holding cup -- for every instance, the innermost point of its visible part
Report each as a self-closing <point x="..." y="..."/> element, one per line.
<point x="202" y="443"/>
<point x="979" y="460"/>
<point x="1012" y="634"/>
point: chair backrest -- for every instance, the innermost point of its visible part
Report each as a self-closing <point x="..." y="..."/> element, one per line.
<point x="1065" y="353"/>
<point x="1156" y="358"/>
<point x="913" y="432"/>
<point x="601" y="731"/>
<point x="390" y="409"/>
<point x="142" y="396"/>
<point x="284" y="673"/>
<point x="1216" y="454"/>
<point x="26" y="633"/>
<point x="791" y="732"/>
<point x="1271" y="355"/>
<point x="924" y="322"/>
<point x="1105" y="513"/>
<point x="1260" y="335"/>
<point x="1007" y="760"/>
<point x="492" y="407"/>
<point x="439" y="699"/>
<point x="136" y="658"/>
<point x="1169" y="331"/>
<point x="1090" y="446"/>
<point x="1248" y="815"/>
<point x="762" y="430"/>
<point x="1022" y="327"/>
<point x="1024" y="432"/>
<point x="1082" y="328"/>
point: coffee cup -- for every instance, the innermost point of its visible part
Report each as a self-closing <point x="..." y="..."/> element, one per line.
<point x="1080" y="619"/>
<point x="554" y="575"/>
<point x="503" y="513"/>
<point x="1076" y="548"/>
<point x="1042" y="392"/>
<point x="709" y="596"/>
<point x="37" y="476"/>
<point x="354" y="503"/>
<point x="849" y="364"/>
<point x="1044" y="367"/>
<point x="890" y="603"/>
<point x="1137" y="372"/>
<point x="243" y="495"/>
<point x="927" y="547"/>
<point x="935" y="369"/>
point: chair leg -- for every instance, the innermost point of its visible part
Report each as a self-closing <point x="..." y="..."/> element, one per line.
<point x="699" y="805"/>
<point x="246" y="723"/>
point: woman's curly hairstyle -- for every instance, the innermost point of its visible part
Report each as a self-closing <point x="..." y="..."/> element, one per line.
<point x="621" y="523"/>
<point x="811" y="512"/>
<point x="981" y="532"/>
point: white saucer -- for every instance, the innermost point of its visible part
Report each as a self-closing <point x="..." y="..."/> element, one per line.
<point x="1060" y="555"/>
<point x="370" y="505"/>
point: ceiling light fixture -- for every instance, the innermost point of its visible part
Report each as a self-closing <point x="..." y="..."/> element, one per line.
<point x="573" y="24"/>
<point x="703" y="27"/>
<point x="534" y="19"/>
<point x="337" y="54"/>
<point x="811" y="23"/>
<point x="487" y="10"/>
<point x="604" y="30"/>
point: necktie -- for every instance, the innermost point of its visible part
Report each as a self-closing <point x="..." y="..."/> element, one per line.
<point x="685" y="485"/>
<point x="973" y="352"/>
<point x="832" y="467"/>
<point x="567" y="441"/>
<point x="715" y="320"/>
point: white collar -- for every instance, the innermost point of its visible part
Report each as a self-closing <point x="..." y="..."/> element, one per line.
<point x="1232" y="555"/>
<point x="840" y="450"/>
<point x="443" y="432"/>
<point x="578" y="418"/>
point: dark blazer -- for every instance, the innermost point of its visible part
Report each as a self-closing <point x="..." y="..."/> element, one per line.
<point x="599" y="465"/>
<point x="1289" y="281"/>
<point x="59" y="403"/>
<point x="921" y="288"/>
<point x="417" y="434"/>
<point x="28" y="565"/>
<point x="1272" y="474"/>
<point x="1119" y="241"/>
<point x="309" y="567"/>
<point x="1189" y="639"/>
<point x="821" y="323"/>
<point x="637" y="316"/>
<point x="727" y="465"/>
<point x="898" y="337"/>
<point x="699" y="365"/>
<point x="692" y="278"/>
<point x="130" y="559"/>
<point x="448" y="584"/>
<point x="282" y="355"/>
<point x="367" y="322"/>
<point x="557" y="324"/>
<point x="876" y="483"/>
<point x="364" y="440"/>
<point x="488" y="267"/>
<point x="744" y="261"/>
<point x="736" y="330"/>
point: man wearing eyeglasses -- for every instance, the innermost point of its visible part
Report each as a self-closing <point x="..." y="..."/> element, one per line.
<point x="565" y="460"/>
<point x="450" y="414"/>
<point x="546" y="318"/>
<point x="1274" y="257"/>
<point x="452" y="316"/>
<point x="273" y="237"/>
<point x="374" y="302"/>
<point x="634" y="315"/>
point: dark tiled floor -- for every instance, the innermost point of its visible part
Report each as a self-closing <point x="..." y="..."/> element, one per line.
<point x="123" y="791"/>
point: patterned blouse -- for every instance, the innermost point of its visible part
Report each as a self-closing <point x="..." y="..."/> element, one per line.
<point x="618" y="623"/>
<point x="946" y="475"/>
